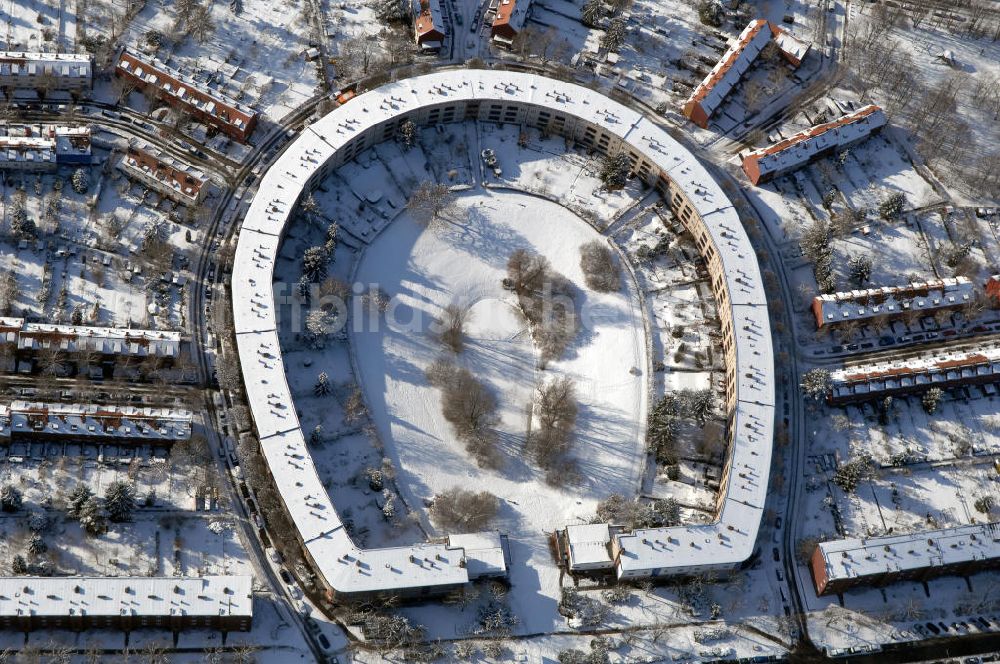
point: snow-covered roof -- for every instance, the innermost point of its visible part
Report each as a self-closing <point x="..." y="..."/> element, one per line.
<point x="26" y="145"/>
<point x="485" y="553"/>
<point x="302" y="165"/>
<point x="427" y="18"/>
<point x="144" y="163"/>
<point x="126" y="596"/>
<point x="854" y="558"/>
<point x="100" y="423"/>
<point x="791" y="46"/>
<point x="63" y="67"/>
<point x="589" y="544"/>
<point x="512" y="14"/>
<point x="730" y="68"/>
<point x="104" y="340"/>
<point x="691" y="549"/>
<point x="804" y="146"/>
<point x="892" y="300"/>
<point x="706" y="99"/>
<point x="941" y="368"/>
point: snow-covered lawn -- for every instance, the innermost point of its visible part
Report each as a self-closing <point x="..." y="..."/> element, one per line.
<point x="464" y="261"/>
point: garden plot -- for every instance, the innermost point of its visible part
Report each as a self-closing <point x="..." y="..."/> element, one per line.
<point x="367" y="193"/>
<point x="691" y="620"/>
<point x="170" y="533"/>
<point x="447" y="149"/>
<point x="913" y="501"/>
<point x="344" y="446"/>
<point x="84" y="256"/>
<point x="929" y="470"/>
<point x="960" y="428"/>
<point x="255" y="56"/>
<point x="658" y="36"/>
<point x="38" y="25"/>
<point x="872" y="170"/>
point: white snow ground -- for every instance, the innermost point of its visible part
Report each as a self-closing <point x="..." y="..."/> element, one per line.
<point x="425" y="270"/>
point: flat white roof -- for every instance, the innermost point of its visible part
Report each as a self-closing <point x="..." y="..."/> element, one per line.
<point x="484" y="553"/>
<point x="589" y="544"/>
<point x="851" y="558"/>
<point x="290" y="177"/>
<point x="126" y="596"/>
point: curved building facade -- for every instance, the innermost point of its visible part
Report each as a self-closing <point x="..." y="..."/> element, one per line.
<point x="593" y="121"/>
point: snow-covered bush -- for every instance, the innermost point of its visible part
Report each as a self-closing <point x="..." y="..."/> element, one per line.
<point x="315" y="261"/>
<point x="10" y="498"/>
<point x="591" y="13"/>
<point x="892" y="205"/>
<point x="860" y="269"/>
<point x="931" y="400"/>
<point x="322" y="386"/>
<point x="710" y="13"/>
<point x="545" y="299"/>
<point x="451" y="326"/>
<point x="616" y="595"/>
<point x="555" y="409"/>
<point x="119" y="500"/>
<point x="406" y="134"/>
<point x="850" y="474"/>
<point x="614" y="38"/>
<point x="80" y="181"/>
<point x="816" y="383"/>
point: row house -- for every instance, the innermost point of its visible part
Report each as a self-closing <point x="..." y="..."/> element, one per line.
<point x="840" y="565"/>
<point x="428" y="25"/>
<point x="890" y="302"/>
<point x="916" y="375"/>
<point x="814" y="143"/>
<point x="45" y="72"/>
<point x="201" y="102"/>
<point x="163" y="175"/>
<point x="511" y="16"/>
<point x="735" y="62"/>
<point x="22" y="421"/>
<point x="30" y="603"/>
<point x="43" y="147"/>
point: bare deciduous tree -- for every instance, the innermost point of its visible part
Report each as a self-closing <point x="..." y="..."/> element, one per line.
<point x="460" y="511"/>
<point x="429" y="201"/>
<point x="450" y="327"/>
<point x="555" y="410"/>
<point x="470" y="408"/>
<point x="600" y="269"/>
